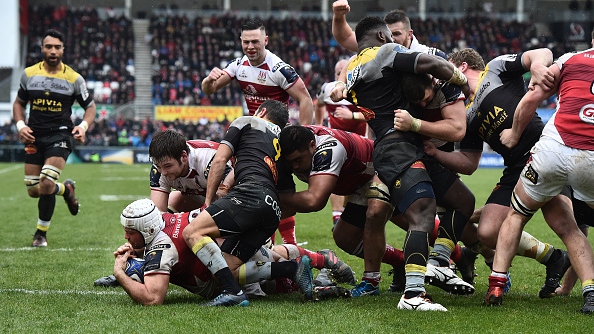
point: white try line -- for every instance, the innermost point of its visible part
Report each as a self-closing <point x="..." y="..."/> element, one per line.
<point x="20" y="249"/>
<point x="99" y="291"/>
<point x="10" y="169"/>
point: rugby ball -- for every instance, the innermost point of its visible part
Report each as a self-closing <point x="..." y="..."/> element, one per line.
<point x="135" y="269"/>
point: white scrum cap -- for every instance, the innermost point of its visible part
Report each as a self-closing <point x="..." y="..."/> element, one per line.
<point x="143" y="216"/>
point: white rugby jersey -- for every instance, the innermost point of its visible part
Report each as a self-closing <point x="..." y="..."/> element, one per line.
<point x="267" y="81"/>
<point x="199" y="160"/>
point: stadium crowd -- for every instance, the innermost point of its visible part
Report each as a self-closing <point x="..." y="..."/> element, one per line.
<point x="184" y="50"/>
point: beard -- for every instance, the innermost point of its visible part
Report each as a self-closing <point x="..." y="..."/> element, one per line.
<point x="52" y="61"/>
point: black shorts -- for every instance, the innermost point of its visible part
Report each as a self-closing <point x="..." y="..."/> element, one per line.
<point x="583" y="213"/>
<point x="246" y="217"/>
<point x="441" y="178"/>
<point x="56" y="145"/>
<point x="354" y="214"/>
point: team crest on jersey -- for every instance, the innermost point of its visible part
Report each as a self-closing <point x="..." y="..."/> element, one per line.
<point x="531" y="174"/>
<point x="397" y="184"/>
<point x="322" y="160"/>
<point x="587" y="113"/>
<point x="30" y="149"/>
<point x="272" y="165"/>
<point x="262" y="77"/>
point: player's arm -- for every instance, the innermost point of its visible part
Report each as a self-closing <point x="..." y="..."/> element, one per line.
<point x="442" y="69"/>
<point x="463" y="162"/>
<point x="299" y="93"/>
<point x="342" y="32"/>
<point x="161" y="200"/>
<point x="18" y="114"/>
<point x="339" y="92"/>
<point x="314" y="198"/>
<point x="215" y="80"/>
<point x="217" y="172"/>
<point x="227" y="183"/>
<point x="526" y="109"/>
<point x="538" y="61"/>
<point x="320" y="111"/>
<point x="451" y="128"/>
<point x="152" y="292"/>
<point x="80" y="131"/>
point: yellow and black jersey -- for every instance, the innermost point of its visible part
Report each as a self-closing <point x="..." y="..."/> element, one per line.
<point x="51" y="97"/>
<point x="500" y="88"/>
<point x="373" y="83"/>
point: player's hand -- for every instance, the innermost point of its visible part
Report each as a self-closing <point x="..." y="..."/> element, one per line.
<point x="508" y="138"/>
<point x="341" y="7"/>
<point x="402" y="120"/>
<point x="541" y="76"/>
<point x="429" y="148"/>
<point x="338" y="93"/>
<point x="120" y="261"/>
<point x="80" y="134"/>
<point x="215" y="73"/>
<point x="125" y="248"/>
<point x="343" y="113"/>
<point x="26" y="135"/>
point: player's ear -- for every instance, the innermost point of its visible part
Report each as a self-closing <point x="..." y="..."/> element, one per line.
<point x="261" y="112"/>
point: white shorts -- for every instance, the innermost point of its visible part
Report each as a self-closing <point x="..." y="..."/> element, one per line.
<point x="553" y="166"/>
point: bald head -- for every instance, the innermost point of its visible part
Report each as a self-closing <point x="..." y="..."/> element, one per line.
<point x="338" y="67"/>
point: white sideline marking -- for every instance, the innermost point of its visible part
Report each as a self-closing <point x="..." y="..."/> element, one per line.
<point x="76" y="292"/>
<point x="113" y="198"/>
<point x="56" y="249"/>
<point x="10" y="169"/>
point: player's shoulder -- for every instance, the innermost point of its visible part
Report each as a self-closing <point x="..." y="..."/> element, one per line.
<point x="275" y="62"/>
<point x="201" y="143"/>
<point x="34" y="69"/>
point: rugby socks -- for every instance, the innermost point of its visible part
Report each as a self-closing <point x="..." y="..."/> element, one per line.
<point x="317" y="259"/>
<point x="393" y="256"/>
<point x="209" y="253"/>
<point x="533" y="248"/>
<point x="61" y="190"/>
<point x="286" y="228"/>
<point x="335" y="216"/>
<point x="45" y="205"/>
<point x="587" y="286"/>
<point x="498" y="279"/>
<point x="416" y="250"/>
<point x="372" y="277"/>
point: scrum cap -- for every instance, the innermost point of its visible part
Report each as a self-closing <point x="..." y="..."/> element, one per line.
<point x="143" y="216"/>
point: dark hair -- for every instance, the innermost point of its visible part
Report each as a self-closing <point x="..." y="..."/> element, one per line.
<point x="414" y="86"/>
<point x="367" y="25"/>
<point x="396" y="16"/>
<point x="276" y="112"/>
<point x="167" y="144"/>
<point x="295" y="138"/>
<point x="54" y="33"/>
<point x="253" y="25"/>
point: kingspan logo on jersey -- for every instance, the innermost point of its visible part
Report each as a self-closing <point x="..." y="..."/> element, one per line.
<point x="587" y="113"/>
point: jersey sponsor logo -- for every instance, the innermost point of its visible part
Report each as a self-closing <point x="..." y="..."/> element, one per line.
<point x="322" y="160"/>
<point x="531" y="174"/>
<point x="261" y="77"/>
<point x="152" y="260"/>
<point x="272" y="203"/>
<point x="352" y="76"/>
<point x="418" y="164"/>
<point x="511" y="57"/>
<point x="493" y="120"/>
<point x="272" y="166"/>
<point x="61" y="144"/>
<point x="30" y="149"/>
<point x="587" y="113"/>
<point x="250" y="90"/>
<point x="397" y="184"/>
<point x="242" y="74"/>
<point x="327" y="145"/>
